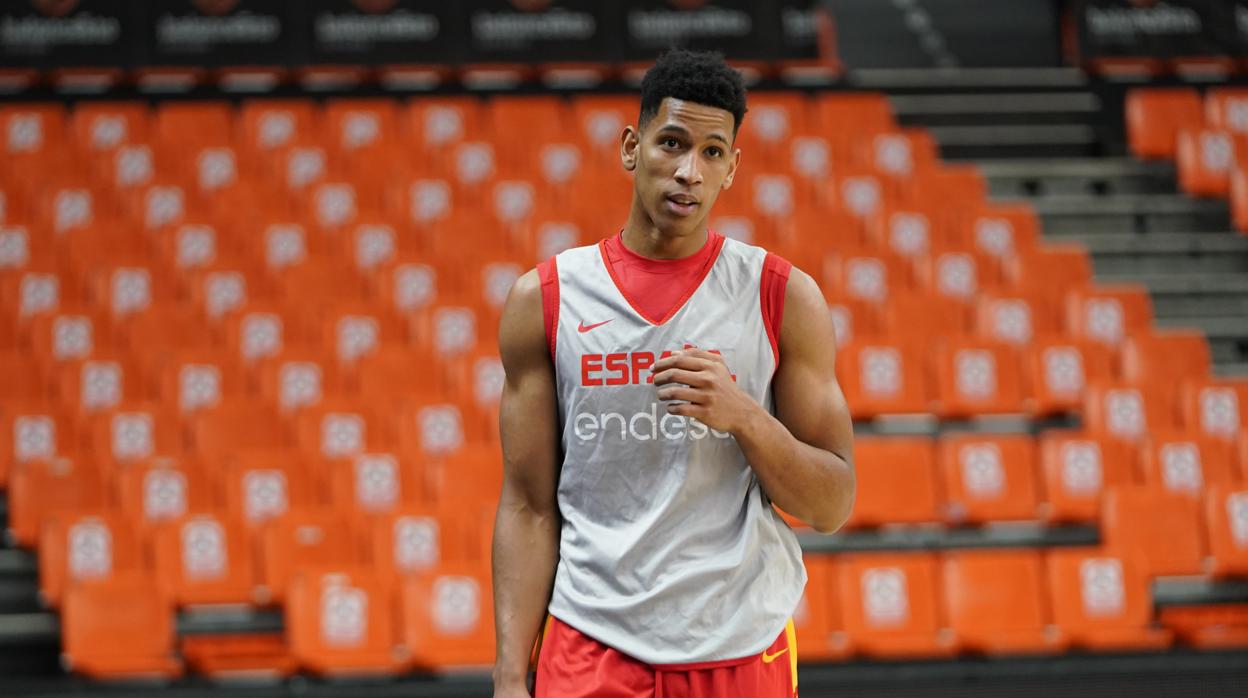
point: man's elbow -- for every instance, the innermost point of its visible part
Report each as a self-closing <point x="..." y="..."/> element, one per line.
<point x="835" y="511"/>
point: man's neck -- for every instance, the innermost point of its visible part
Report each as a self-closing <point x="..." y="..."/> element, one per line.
<point x="643" y="237"/>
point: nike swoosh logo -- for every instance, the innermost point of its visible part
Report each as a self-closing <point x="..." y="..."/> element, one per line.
<point x="769" y="658"/>
<point x="582" y="327"/>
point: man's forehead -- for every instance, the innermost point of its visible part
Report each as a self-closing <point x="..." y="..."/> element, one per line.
<point x="692" y="115"/>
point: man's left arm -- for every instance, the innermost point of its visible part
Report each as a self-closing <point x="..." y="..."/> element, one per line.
<point x="803" y="456"/>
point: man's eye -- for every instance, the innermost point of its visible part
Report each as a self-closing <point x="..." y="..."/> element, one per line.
<point x="671" y="143"/>
<point x="714" y="152"/>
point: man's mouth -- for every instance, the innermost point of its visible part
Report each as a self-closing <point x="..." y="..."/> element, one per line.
<point x="682" y="204"/>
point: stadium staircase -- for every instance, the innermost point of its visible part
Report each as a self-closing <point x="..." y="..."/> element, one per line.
<point x="1049" y="139"/>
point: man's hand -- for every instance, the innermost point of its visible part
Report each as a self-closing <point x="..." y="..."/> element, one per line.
<point x="702" y="380"/>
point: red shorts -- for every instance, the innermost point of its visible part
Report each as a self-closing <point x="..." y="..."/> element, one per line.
<point x="574" y="665"/>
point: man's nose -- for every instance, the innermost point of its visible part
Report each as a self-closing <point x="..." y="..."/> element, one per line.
<point x="687" y="172"/>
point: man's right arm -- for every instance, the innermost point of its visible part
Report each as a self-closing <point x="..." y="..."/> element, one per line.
<point x="526" y="529"/>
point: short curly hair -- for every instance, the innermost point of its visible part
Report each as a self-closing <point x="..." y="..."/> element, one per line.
<point x="702" y="77"/>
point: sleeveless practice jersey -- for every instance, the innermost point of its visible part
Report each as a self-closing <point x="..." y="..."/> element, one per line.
<point x="670" y="551"/>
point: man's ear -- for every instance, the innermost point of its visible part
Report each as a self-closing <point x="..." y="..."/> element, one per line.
<point x="630" y="141"/>
<point x="732" y="169"/>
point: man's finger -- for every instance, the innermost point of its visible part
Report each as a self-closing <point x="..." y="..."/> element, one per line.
<point x="697" y="379"/>
<point x="682" y="360"/>
<point x="679" y="392"/>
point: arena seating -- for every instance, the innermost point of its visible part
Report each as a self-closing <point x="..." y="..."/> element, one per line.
<point x="1205" y="135"/>
<point x="250" y="359"/>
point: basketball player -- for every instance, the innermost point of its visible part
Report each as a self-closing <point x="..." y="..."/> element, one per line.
<point x="663" y="389"/>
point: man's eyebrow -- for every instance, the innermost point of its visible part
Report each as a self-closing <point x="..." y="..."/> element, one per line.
<point x="682" y="131"/>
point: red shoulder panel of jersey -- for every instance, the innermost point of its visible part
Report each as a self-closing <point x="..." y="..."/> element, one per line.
<point x="548" y="275"/>
<point x="774" y="282"/>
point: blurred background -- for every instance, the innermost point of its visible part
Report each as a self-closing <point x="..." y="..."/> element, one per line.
<point x="253" y="252"/>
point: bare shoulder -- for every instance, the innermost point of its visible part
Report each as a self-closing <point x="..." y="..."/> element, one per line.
<point x="521" y="334"/>
<point x="806" y="317"/>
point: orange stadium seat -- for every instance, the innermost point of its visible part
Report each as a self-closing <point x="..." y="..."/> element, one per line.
<point x="415" y="538"/>
<point x="25" y="378"/>
<point x="1186" y="463"/>
<point x="340" y="622"/>
<point x="31" y="129"/>
<point x="1166" y="355"/>
<point x="1058" y="371"/>
<point x="69" y="334"/>
<point x="1101" y="602"/>
<point x="1215" y="407"/>
<point x="33" y="431"/>
<point x="906" y="231"/>
<point x="1049" y="270"/>
<point x="234" y="425"/>
<point x="336" y="429"/>
<point x="119" y="630"/>
<point x="185" y="126"/>
<point x="256" y="657"/>
<point x="1077" y="469"/>
<point x="163" y="330"/>
<point x="103" y="126"/>
<point x="1000" y="231"/>
<point x="857" y="192"/>
<point x="848" y="117"/>
<point x="361" y="125"/>
<point x="1125" y="411"/>
<point x="84" y="547"/>
<point x="1158" y="531"/>
<point x="132" y="432"/>
<point x="896" y="482"/>
<point x="261" y="486"/>
<point x="1108" y="314"/>
<point x="1226" y="519"/>
<point x="268" y="125"/>
<point x="1225" y="108"/>
<point x="989" y="478"/>
<point x="320" y="282"/>
<point x="922" y="317"/>
<point x="432" y="125"/>
<point x="41" y="489"/>
<point x="974" y="377"/>
<point x="901" y="153"/>
<point x="303" y="540"/>
<point x="1154" y="117"/>
<point x="817" y="621"/>
<point x="1205" y="159"/>
<point x="865" y="277"/>
<point x="298" y="380"/>
<point x="995" y="601"/>
<point x="446" y="617"/>
<point x="96" y="385"/>
<point x="203" y="558"/>
<point x="852" y="318"/>
<point x="1015" y="318"/>
<point x="880" y="377"/>
<point x="192" y="381"/>
<point x="891" y="607"/>
<point x="599" y="120"/>
<point x="161" y="489"/>
<point x="374" y="484"/>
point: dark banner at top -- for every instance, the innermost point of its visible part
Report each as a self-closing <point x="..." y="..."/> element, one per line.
<point x="58" y="33"/>
<point x="536" y="30"/>
<point x="1158" y="29"/>
<point x="381" y="31"/>
<point x="741" y="29"/>
<point x="218" y="32"/>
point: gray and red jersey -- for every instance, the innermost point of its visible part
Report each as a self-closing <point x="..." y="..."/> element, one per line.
<point x="670" y="551"/>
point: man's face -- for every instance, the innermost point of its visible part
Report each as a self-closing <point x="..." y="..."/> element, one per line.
<point x="681" y="159"/>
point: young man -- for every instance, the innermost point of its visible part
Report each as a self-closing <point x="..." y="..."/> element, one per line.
<point x="663" y="389"/>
